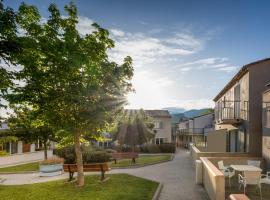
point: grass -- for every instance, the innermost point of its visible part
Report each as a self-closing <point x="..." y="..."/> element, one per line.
<point x="119" y="186"/>
<point x="21" y="168"/>
<point x="141" y="161"/>
<point x="251" y="191"/>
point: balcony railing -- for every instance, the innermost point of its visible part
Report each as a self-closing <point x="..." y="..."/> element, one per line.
<point x="191" y="131"/>
<point x="233" y="111"/>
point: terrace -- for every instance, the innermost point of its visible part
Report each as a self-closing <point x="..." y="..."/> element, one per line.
<point x="212" y="178"/>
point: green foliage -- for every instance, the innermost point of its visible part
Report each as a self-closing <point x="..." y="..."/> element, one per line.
<point x="89" y="155"/>
<point x="3" y="153"/>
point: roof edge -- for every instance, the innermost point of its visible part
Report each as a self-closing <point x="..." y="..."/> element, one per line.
<point x="238" y="76"/>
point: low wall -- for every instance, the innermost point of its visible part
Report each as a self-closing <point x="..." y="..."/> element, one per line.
<point x="213" y="180"/>
<point x="17" y="159"/>
<point x="196" y="153"/>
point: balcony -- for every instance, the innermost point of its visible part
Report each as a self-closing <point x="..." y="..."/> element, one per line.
<point x="191" y="131"/>
<point x="231" y="112"/>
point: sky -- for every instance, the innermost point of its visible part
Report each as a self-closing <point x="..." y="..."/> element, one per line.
<point x="184" y="52"/>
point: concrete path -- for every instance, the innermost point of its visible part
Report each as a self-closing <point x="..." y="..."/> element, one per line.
<point x="177" y="177"/>
<point x="18" y="159"/>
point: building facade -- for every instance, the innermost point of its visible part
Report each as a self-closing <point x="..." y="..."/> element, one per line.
<point x="162" y="125"/>
<point x="238" y="108"/>
<point x="266" y="128"/>
<point x="16" y="147"/>
<point x="195" y="130"/>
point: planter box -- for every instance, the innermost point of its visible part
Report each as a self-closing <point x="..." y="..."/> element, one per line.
<point x="51" y="170"/>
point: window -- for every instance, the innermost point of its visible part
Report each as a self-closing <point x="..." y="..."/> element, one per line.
<point x="158" y="124"/>
<point x="160" y="140"/>
<point x="268" y="117"/>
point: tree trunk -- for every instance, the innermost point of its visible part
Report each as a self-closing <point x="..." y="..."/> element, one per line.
<point x="45" y="150"/>
<point x="80" y="176"/>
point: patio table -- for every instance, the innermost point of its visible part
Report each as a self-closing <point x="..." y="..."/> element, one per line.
<point x="242" y="168"/>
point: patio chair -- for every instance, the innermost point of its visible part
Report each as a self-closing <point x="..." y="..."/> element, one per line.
<point x="227" y="172"/>
<point x="221" y="165"/>
<point x="265" y="178"/>
<point x="250" y="178"/>
<point x="256" y="163"/>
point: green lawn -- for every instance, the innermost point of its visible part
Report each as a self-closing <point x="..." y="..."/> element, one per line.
<point x="21" y="168"/>
<point x="141" y="161"/>
<point x="119" y="186"/>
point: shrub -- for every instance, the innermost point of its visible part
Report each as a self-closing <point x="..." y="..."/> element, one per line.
<point x="3" y="153"/>
<point x="52" y="161"/>
<point x="89" y="155"/>
<point x="68" y="153"/>
<point x="96" y="157"/>
<point x="167" y="148"/>
<point x="111" y="151"/>
<point x="152" y="148"/>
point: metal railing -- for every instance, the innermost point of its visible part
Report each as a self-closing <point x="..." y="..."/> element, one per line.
<point x="191" y="131"/>
<point x="231" y="110"/>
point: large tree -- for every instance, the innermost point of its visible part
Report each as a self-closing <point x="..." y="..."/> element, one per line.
<point x="68" y="77"/>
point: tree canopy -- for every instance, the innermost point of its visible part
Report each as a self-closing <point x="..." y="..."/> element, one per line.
<point x="65" y="77"/>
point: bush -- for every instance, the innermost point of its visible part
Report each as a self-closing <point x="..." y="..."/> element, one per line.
<point x="152" y="148"/>
<point x="96" y="157"/>
<point x="167" y="148"/>
<point x="3" y="153"/>
<point x="111" y="151"/>
<point x="89" y="155"/>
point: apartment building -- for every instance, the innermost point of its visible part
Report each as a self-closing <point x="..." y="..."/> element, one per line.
<point x="163" y="125"/>
<point x="238" y="108"/>
<point x="266" y="128"/>
<point x="195" y="130"/>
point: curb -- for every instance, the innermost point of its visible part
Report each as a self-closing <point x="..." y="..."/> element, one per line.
<point x="21" y="172"/>
<point x="158" y="191"/>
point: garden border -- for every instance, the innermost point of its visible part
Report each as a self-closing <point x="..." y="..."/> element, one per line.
<point x="139" y="166"/>
<point x="158" y="191"/>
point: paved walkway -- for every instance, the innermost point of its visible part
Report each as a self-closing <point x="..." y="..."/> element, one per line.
<point x="177" y="177"/>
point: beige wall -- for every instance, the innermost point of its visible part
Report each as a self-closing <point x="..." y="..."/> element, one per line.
<point x="213" y="180"/>
<point x="166" y="130"/>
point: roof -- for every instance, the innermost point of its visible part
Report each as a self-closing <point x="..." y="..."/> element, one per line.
<point x="238" y="76"/>
<point x="211" y="113"/>
<point x="152" y="113"/>
<point x="158" y="113"/>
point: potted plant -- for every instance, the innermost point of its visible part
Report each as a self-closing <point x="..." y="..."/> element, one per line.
<point x="51" y="167"/>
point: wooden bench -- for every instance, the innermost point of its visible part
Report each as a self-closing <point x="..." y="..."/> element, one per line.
<point x="96" y="167"/>
<point x="126" y="155"/>
<point x="238" y="197"/>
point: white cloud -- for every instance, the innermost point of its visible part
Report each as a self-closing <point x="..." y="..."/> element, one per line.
<point x="186" y="40"/>
<point x="84" y="25"/>
<point x="214" y="63"/>
<point x="144" y="49"/>
<point x="117" y="32"/>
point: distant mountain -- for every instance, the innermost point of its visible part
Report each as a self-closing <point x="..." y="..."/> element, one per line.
<point x="176" y="117"/>
<point x="174" y="110"/>
<point x="194" y="112"/>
